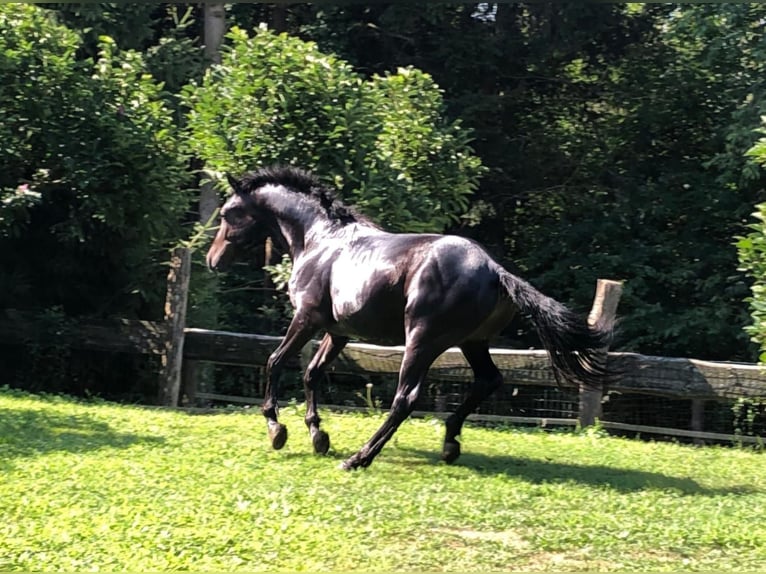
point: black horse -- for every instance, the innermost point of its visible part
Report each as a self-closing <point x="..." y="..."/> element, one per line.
<point x="427" y="292"/>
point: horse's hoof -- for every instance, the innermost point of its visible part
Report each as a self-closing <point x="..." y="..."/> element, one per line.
<point x="350" y="463"/>
<point x="278" y="435"/>
<point x="450" y="452"/>
<point x="321" y="441"/>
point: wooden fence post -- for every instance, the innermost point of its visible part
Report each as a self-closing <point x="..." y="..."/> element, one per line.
<point x="175" y="318"/>
<point x="698" y="418"/>
<point x="190" y="374"/>
<point x="604" y="311"/>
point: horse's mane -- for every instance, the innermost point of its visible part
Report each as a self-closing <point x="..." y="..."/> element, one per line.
<point x="302" y="181"/>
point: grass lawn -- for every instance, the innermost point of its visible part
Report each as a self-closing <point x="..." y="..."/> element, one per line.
<point x="98" y="486"/>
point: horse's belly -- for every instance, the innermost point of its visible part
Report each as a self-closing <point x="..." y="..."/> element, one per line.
<point x="371" y="315"/>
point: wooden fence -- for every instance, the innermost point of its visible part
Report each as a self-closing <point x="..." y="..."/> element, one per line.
<point x="182" y="348"/>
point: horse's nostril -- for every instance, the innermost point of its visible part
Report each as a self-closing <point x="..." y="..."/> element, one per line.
<point x="220" y="256"/>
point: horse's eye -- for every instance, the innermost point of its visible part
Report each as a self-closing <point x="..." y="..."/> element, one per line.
<point x="236" y="217"/>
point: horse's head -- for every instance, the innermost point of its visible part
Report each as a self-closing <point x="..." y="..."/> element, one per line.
<point x="239" y="229"/>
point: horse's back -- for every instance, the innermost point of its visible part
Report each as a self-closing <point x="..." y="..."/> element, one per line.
<point x="457" y="288"/>
<point x="385" y="283"/>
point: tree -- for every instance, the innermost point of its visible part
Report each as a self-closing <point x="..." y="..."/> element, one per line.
<point x="381" y="142"/>
<point x="614" y="135"/>
<point x="92" y="174"/>
<point x="662" y="184"/>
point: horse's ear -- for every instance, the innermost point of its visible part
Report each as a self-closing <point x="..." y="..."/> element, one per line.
<point x="233" y="182"/>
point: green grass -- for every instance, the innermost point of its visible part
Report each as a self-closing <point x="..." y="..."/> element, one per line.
<point x="97" y="486"/>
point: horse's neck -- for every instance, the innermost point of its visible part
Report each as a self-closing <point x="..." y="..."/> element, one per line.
<point x="300" y="223"/>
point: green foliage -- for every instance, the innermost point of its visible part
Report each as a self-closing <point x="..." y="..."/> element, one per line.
<point x="47" y="363"/>
<point x="659" y="185"/>
<point x="93" y="486"/>
<point x="132" y="25"/>
<point x="92" y="174"/>
<point x="382" y="142"/>
<point x="615" y="138"/>
<point x="749" y="416"/>
<point x="751" y="249"/>
<point x="177" y="56"/>
<point x="418" y="171"/>
<point x="752" y="257"/>
<point x="278" y="311"/>
<point x="649" y="189"/>
<point x="167" y="35"/>
<point x="614" y="135"/>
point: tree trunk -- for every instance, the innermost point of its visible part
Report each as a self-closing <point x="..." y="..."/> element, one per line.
<point x="215" y="28"/>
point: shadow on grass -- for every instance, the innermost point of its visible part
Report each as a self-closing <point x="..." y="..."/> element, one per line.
<point x="550" y="472"/>
<point x="28" y="432"/>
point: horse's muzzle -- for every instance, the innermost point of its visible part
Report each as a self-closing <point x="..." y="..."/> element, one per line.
<point x="221" y="251"/>
<point x="212" y="263"/>
<point x="219" y="256"/>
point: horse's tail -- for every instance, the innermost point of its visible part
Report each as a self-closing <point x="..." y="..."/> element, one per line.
<point x="572" y="344"/>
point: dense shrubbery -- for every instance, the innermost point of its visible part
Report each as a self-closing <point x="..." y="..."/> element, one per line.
<point x="93" y="192"/>
<point x="382" y="141"/>
<point x="92" y="173"/>
<point x="752" y="257"/>
<point x="95" y="171"/>
<point x="614" y="137"/>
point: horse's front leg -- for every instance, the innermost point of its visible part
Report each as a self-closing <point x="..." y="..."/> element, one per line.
<point x="298" y="334"/>
<point x="329" y="349"/>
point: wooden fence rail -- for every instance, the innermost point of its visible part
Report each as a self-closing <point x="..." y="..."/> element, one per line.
<point x="663" y="376"/>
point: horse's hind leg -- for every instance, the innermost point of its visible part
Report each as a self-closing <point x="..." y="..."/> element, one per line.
<point x="411" y="376"/>
<point x="487" y="380"/>
<point x="329" y="349"/>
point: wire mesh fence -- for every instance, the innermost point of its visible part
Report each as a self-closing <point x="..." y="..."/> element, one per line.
<point x="442" y="394"/>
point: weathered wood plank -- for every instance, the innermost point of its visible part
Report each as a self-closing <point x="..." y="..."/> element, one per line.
<point x="230" y="348"/>
<point x="688" y="378"/>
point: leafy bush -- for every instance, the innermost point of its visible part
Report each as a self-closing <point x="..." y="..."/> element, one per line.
<point x="91" y="173"/>
<point x="751" y="249"/>
<point x="382" y="142"/>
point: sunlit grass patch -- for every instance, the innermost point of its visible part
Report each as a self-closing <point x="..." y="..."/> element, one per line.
<point x="110" y="487"/>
